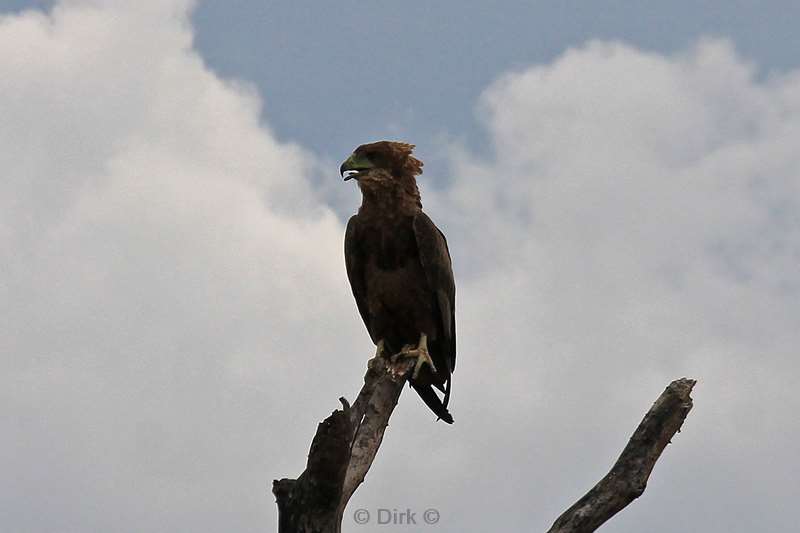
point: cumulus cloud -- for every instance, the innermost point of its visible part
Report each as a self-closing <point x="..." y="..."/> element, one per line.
<point x="175" y="316"/>
<point x="171" y="288"/>
<point x="637" y="222"/>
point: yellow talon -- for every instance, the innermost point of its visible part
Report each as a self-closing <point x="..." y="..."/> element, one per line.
<point x="420" y="352"/>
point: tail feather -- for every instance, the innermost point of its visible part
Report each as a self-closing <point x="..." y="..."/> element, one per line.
<point x="447" y="392"/>
<point x="430" y="398"/>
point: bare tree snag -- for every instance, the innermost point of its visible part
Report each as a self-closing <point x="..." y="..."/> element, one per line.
<point x="346" y="443"/>
<point x="341" y="453"/>
<point x="628" y="477"/>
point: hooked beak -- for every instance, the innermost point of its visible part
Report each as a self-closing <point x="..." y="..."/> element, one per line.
<point x="356" y="164"/>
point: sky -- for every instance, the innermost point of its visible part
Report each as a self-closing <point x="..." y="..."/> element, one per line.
<point x="620" y="189"/>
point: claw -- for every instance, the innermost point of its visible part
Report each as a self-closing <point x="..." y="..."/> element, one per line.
<point x="420" y="352"/>
<point x="403" y="352"/>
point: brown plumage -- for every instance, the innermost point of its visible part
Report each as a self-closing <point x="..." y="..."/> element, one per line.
<point x="399" y="268"/>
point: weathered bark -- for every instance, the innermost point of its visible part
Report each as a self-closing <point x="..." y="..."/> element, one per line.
<point x="346" y="443"/>
<point x="341" y="453"/>
<point x="628" y="477"/>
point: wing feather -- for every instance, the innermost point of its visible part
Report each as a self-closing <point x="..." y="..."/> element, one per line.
<point x="354" y="262"/>
<point x="435" y="258"/>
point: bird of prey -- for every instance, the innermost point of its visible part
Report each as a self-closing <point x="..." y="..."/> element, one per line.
<point x="399" y="269"/>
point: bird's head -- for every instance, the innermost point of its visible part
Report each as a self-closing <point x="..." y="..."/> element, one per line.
<point x="381" y="163"/>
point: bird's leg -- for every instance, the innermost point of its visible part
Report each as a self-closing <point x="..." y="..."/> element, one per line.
<point x="380" y="349"/>
<point x="420" y="352"/>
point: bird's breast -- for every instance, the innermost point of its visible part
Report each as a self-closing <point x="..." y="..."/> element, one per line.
<point x="391" y="246"/>
<point x="394" y="275"/>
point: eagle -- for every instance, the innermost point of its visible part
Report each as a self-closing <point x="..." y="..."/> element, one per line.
<point x="400" y="270"/>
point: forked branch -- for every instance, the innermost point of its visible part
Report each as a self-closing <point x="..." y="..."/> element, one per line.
<point x="346" y="443"/>
<point x="341" y="453"/>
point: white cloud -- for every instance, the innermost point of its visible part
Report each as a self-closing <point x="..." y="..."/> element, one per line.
<point x="171" y="289"/>
<point x="175" y="316"/>
<point x="637" y="222"/>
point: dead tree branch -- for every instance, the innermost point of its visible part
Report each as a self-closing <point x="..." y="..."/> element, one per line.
<point x="346" y="443"/>
<point x="628" y="477"/>
<point x="341" y="453"/>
